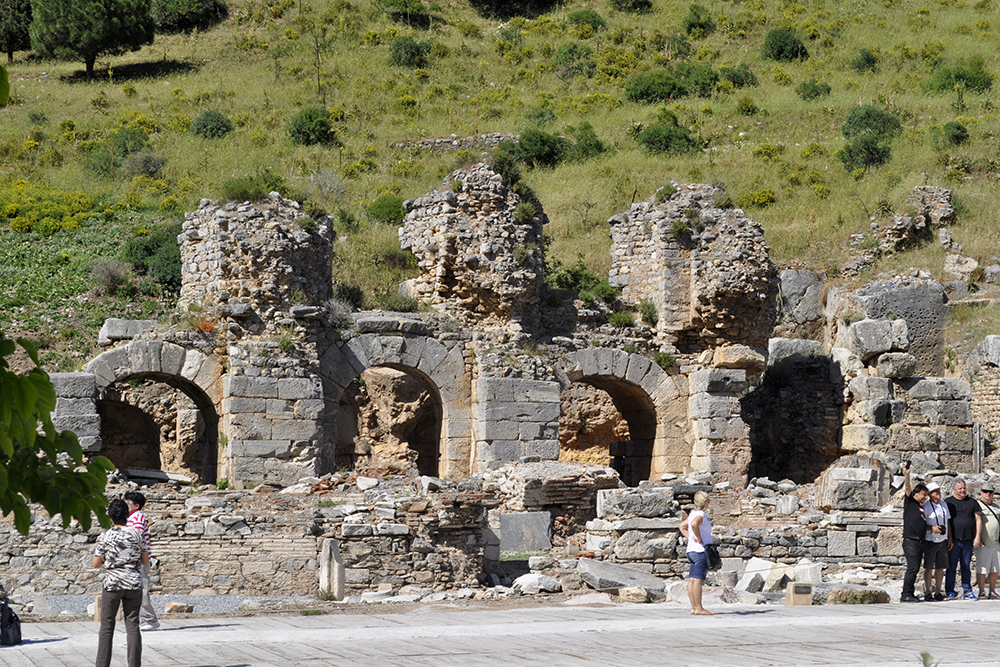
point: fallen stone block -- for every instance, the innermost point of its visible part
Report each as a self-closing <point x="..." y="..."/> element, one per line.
<point x="621" y="503"/>
<point x="534" y="583"/>
<point x="633" y="594"/>
<point x="602" y="575"/>
<point x="178" y="608"/>
<point x="811" y="573"/>
<point x="750" y="582"/>
<point x="853" y="596"/>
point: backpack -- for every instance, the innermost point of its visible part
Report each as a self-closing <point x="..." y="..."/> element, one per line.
<point x="10" y="626"/>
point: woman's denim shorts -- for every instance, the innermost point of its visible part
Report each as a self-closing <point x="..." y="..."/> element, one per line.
<point x="699" y="564"/>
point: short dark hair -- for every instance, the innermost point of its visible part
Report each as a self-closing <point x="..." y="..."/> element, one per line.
<point x="918" y="488"/>
<point x="135" y="497"/>
<point x="118" y="511"/>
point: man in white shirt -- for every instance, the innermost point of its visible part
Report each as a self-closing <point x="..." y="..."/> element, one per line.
<point x="937" y="542"/>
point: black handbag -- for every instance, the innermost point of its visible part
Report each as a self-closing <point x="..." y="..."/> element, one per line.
<point x="10" y="626"/>
<point x="712" y="558"/>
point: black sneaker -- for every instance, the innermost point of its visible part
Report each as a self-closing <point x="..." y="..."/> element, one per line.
<point x="910" y="598"/>
<point x="939" y="597"/>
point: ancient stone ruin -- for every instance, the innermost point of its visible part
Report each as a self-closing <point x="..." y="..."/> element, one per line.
<point x="399" y="454"/>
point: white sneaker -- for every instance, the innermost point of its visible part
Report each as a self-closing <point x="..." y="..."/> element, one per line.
<point x="149" y="626"/>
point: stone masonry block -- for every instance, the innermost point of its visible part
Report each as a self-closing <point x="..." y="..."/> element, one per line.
<point x="875" y="411"/>
<point x="172" y="358"/>
<point x="863" y="388"/>
<point x="719" y="429"/>
<point x="913" y="438"/>
<point x="499" y="430"/>
<point x="309" y="408"/>
<point x="518" y="411"/>
<point x="947" y="413"/>
<point x="718" y="381"/>
<point x="632" y="502"/>
<point x="638" y="367"/>
<point x="536" y="391"/>
<point x="297" y="430"/>
<point x="192" y="364"/>
<point x="938" y="389"/>
<point x="258" y="448"/>
<point x="495" y="389"/>
<point x="896" y="365"/>
<point x="546" y="450"/>
<point x="248" y="426"/>
<point x="790" y="350"/>
<point x="499" y="450"/>
<point x="237" y="405"/>
<point x="955" y="439"/>
<point x="841" y="543"/>
<point x="66" y="407"/>
<point x="525" y="531"/>
<point x="74" y="385"/>
<point x="296" y="388"/>
<point x="240" y="385"/>
<point x="707" y="406"/>
<point x="863" y="437"/>
<point x="82" y="425"/>
<point x="868" y="338"/>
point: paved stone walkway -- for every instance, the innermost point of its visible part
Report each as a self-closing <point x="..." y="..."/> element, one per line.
<point x="958" y="633"/>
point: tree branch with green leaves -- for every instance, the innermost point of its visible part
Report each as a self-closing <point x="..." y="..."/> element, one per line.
<point x="38" y="464"/>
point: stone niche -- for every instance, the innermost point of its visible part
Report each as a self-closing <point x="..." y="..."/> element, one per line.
<point x="478" y="246"/>
<point x="705" y="268"/>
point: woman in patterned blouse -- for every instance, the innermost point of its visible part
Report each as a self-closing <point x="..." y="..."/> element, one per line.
<point x="120" y="550"/>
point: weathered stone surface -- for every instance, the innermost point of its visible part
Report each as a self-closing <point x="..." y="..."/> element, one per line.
<point x="602" y="575"/>
<point x="534" y="583"/>
<point x="801" y="295"/>
<point x="947" y="413"/>
<point x="863" y="437"/>
<point x="787" y="505"/>
<point x="637" y="502"/>
<point x="641" y="545"/>
<point x="840" y="543"/>
<point x="635" y="594"/>
<point x="115" y="329"/>
<point x="739" y="357"/>
<point x="938" y="389"/>
<point x="782" y="351"/>
<point x="74" y="385"/>
<point x="896" y="365"/>
<point x="863" y="388"/>
<point x="717" y="381"/>
<point x="525" y="531"/>
<point x="868" y="338"/>
<point x="960" y="267"/>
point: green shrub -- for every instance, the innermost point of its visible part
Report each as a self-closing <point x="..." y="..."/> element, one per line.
<point x="312" y="126"/>
<point x="183" y="15"/>
<point x="864" y="152"/>
<point x="746" y="106"/>
<point x="157" y="253"/>
<point x="664" y="360"/>
<point x="252" y="188"/>
<point x="647" y="311"/>
<point x="757" y="199"/>
<point x="865" y="62"/>
<point x="398" y="303"/>
<point x="604" y="290"/>
<point x="127" y="140"/>
<point x="211" y="125"/>
<point x="872" y="121"/>
<point x="574" y="59"/>
<point x="672" y="82"/>
<point x="539" y="148"/>
<point x="784" y="45"/>
<point x="504" y="162"/>
<point x="621" y="320"/>
<point x="587" y="17"/>
<point x="576" y="277"/>
<point x="667" y="136"/>
<point x="586" y="143"/>
<point x="349" y="293"/>
<point x="408" y="52"/>
<point x="968" y="73"/>
<point x="812" y="89"/>
<point x="540" y="117"/>
<point x="637" y="6"/>
<point x="955" y="133"/>
<point x="666" y="192"/>
<point x="698" y="23"/>
<point x="410" y="12"/>
<point x="740" y="77"/>
<point x="387" y="209"/>
<point x="111" y="276"/>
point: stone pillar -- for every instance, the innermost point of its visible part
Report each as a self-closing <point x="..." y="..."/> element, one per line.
<point x="514" y="417"/>
<point x="274" y="428"/>
<point x="76" y="408"/>
<point x="721" y="442"/>
<point x="331" y="571"/>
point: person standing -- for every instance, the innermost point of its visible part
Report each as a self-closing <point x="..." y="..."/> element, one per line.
<point x="120" y="551"/>
<point x="914" y="529"/>
<point x="988" y="553"/>
<point x="136" y="519"/>
<point x="937" y="542"/>
<point x="965" y="529"/>
<point x="698" y="531"/>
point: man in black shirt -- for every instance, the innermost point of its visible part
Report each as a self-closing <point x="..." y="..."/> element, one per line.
<point x="966" y="528"/>
<point x="914" y="528"/>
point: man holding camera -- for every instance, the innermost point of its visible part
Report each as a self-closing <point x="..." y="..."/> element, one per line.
<point x="914" y="530"/>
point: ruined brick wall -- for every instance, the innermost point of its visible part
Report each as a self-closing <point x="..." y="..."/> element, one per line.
<point x="220" y="543"/>
<point x="705" y="268"/>
<point x="478" y="246"/>
<point x="986" y="400"/>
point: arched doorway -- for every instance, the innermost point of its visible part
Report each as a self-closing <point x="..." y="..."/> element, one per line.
<point x="390" y="418"/>
<point x="133" y="380"/>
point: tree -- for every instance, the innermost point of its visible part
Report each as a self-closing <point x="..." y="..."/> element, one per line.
<point x="15" y="17"/>
<point x="86" y="29"/>
<point x="41" y="465"/>
<point x="4" y="86"/>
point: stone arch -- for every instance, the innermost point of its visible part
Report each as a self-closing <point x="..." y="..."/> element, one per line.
<point x="194" y="373"/>
<point x="647" y="397"/>
<point x="439" y="367"/>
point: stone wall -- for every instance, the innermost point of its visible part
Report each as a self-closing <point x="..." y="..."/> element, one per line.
<point x="479" y="248"/>
<point x="983" y="366"/>
<point x="228" y="542"/>
<point x="705" y="268"/>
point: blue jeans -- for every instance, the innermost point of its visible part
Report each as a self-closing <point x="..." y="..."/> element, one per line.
<point x="960" y="552"/>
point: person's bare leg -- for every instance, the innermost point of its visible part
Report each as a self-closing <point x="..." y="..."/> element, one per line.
<point x="694" y="596"/>
<point x="981" y="580"/>
<point x="993" y="583"/>
<point x="938" y="576"/>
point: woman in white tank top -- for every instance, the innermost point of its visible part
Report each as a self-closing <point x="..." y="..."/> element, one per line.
<point x="698" y="531"/>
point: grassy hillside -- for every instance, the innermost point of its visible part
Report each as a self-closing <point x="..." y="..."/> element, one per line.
<point x="75" y="143"/>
